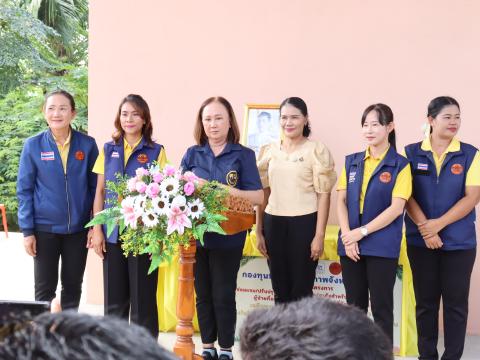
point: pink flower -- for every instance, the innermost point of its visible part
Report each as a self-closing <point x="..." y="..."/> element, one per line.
<point x="189" y="188"/>
<point x="131" y="184"/>
<point x="128" y="212"/>
<point x="189" y="176"/>
<point x="141" y="187"/>
<point x="177" y="221"/>
<point x="169" y="170"/>
<point x="157" y="177"/>
<point x="152" y="190"/>
<point x="141" y="172"/>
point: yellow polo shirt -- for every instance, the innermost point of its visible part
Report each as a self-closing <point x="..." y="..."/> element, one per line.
<point x="403" y="183"/>
<point x="63" y="150"/>
<point x="99" y="167"/>
<point x="473" y="173"/>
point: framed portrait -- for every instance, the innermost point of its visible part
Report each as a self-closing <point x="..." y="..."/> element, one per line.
<point x="261" y="125"/>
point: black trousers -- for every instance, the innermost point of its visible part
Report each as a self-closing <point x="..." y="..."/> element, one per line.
<point x="71" y="248"/>
<point x="128" y="289"/>
<point x="374" y="276"/>
<point x="215" y="285"/>
<point x="288" y="240"/>
<point x="441" y="274"/>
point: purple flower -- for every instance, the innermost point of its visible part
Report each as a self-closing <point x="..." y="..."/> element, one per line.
<point x="152" y="190"/>
<point x="141" y="187"/>
<point x="169" y="170"/>
<point x="141" y="172"/>
<point x="189" y="188"/>
<point x="157" y="177"/>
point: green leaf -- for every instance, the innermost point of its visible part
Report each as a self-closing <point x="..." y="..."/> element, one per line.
<point x="101" y="218"/>
<point x="215" y="228"/>
<point x="216" y="217"/>
<point x="111" y="224"/>
<point x="200" y="231"/>
<point x="156" y="261"/>
<point x="121" y="226"/>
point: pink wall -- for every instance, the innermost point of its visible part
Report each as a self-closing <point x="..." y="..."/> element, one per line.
<point x="339" y="56"/>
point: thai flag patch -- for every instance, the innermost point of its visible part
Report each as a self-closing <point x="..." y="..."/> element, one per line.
<point x="47" y="155"/>
<point x="422" y="166"/>
<point x="115" y="154"/>
<point x="351" y="177"/>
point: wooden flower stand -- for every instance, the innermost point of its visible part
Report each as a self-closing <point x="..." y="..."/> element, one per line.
<point x="184" y="346"/>
<point x="241" y="217"/>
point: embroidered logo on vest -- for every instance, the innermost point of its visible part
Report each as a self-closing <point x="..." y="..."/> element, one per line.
<point x="115" y="154"/>
<point x="80" y="155"/>
<point x="232" y="178"/>
<point x="456" y="169"/>
<point x="385" y="177"/>
<point x="142" y="158"/>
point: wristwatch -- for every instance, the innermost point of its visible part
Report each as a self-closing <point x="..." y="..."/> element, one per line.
<point x="364" y="231"/>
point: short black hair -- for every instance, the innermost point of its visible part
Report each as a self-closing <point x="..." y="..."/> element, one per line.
<point x="312" y="329"/>
<point x="73" y="336"/>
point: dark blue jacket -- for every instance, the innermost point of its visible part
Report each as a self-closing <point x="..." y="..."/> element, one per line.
<point x="48" y="199"/>
<point x="384" y="242"/>
<point x="437" y="194"/>
<point x="142" y="156"/>
<point x="235" y="166"/>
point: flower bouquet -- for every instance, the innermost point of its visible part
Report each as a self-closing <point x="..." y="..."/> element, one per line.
<point x="159" y="209"/>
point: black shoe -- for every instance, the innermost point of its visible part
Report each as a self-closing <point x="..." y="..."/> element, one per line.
<point x="208" y="356"/>
<point x="225" y="357"/>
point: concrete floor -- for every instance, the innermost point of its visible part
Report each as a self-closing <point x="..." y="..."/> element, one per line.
<point x="16" y="283"/>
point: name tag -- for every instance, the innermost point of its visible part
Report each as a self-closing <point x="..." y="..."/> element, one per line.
<point x="47" y="155"/>
<point x="351" y="177"/>
<point x="115" y="154"/>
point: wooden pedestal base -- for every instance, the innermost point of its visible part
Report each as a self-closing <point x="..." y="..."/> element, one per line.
<point x="184" y="346"/>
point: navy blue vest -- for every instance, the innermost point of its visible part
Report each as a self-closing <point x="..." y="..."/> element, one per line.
<point x="142" y="156"/>
<point x="384" y="242"/>
<point x="437" y="194"/>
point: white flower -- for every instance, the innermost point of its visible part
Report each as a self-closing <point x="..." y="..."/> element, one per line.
<point x="180" y="201"/>
<point x="161" y="205"/>
<point x="140" y="204"/>
<point x="195" y="209"/>
<point x="169" y="187"/>
<point x="150" y="219"/>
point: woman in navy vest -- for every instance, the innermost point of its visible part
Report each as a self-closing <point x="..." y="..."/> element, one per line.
<point x="55" y="189"/>
<point x="128" y="289"/>
<point x="373" y="189"/>
<point x="440" y="228"/>
<point x="218" y="156"/>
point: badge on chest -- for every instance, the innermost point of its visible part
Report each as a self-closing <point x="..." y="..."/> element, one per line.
<point x="232" y="178"/>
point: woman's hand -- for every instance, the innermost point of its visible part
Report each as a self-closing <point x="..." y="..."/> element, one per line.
<point x="430" y="228"/>
<point x="316" y="248"/>
<point x="261" y="243"/>
<point x="433" y="242"/>
<point x="30" y="244"/>
<point x="89" y="238"/>
<point x="98" y="242"/>
<point x="352" y="251"/>
<point x="352" y="237"/>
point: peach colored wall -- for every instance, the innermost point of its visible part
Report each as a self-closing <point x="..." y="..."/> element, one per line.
<point x="339" y="56"/>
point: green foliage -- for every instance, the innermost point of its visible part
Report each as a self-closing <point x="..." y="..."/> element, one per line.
<point x="70" y="20"/>
<point x="24" y="47"/>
